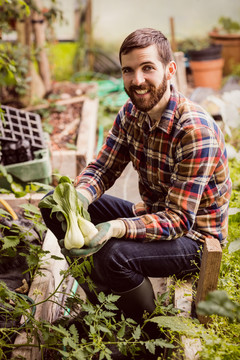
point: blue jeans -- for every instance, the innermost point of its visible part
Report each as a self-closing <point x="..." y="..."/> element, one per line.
<point x="121" y="264"/>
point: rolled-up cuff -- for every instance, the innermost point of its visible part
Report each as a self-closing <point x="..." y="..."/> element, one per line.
<point x="135" y="229"/>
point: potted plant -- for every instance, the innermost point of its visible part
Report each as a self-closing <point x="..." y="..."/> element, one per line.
<point x="227" y="34"/>
<point x="207" y="66"/>
<point x="203" y="61"/>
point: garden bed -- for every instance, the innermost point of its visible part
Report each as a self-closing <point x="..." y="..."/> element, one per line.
<point x="70" y="116"/>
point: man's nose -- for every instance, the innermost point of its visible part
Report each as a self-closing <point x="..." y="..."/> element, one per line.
<point x="138" y="78"/>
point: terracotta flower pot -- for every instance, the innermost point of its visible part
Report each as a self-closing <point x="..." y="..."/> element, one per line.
<point x="230" y="49"/>
<point x="207" y="66"/>
<point x="207" y="73"/>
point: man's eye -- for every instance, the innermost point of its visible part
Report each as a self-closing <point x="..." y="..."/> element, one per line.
<point x="148" y="68"/>
<point x="125" y="71"/>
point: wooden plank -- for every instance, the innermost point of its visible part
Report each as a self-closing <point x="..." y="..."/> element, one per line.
<point x="14" y="202"/>
<point x="86" y="141"/>
<point x="181" y="75"/>
<point x="41" y="288"/>
<point x="183" y="298"/>
<point x="209" y="272"/>
<point x="64" y="162"/>
<point x="44" y="286"/>
<point x="192" y="347"/>
<point x="160" y="285"/>
<point x="62" y="102"/>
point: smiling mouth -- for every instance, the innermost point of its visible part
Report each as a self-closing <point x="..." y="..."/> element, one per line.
<point x="141" y="92"/>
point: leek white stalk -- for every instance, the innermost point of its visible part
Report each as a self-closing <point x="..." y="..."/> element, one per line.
<point x="73" y="237"/>
<point x="88" y="229"/>
<point x="65" y="200"/>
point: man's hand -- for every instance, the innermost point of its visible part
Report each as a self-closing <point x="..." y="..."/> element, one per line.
<point x="83" y="252"/>
<point x="106" y="231"/>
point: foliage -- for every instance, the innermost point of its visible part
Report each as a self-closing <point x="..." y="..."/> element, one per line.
<point x="192" y="43"/>
<point x="17" y="10"/>
<point x="61" y="57"/>
<point x="10" y="11"/>
<point x="234" y="168"/>
<point x="98" y="329"/>
<point x="15" y="58"/>
<point x="23" y="238"/>
<point x="14" y="69"/>
<point x="19" y="189"/>
<point x="218" y="302"/>
<point x="228" y="25"/>
<point x="221" y="339"/>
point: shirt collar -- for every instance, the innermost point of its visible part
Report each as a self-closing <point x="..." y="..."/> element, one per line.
<point x="167" y="119"/>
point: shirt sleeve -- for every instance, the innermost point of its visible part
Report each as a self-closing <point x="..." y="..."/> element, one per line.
<point x="197" y="155"/>
<point x="113" y="157"/>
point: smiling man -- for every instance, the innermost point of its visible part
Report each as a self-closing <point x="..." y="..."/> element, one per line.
<point x="179" y="154"/>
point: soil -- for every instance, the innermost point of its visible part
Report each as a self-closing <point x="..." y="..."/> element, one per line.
<point x="63" y="121"/>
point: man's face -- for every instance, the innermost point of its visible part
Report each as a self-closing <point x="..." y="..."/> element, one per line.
<point x="144" y="77"/>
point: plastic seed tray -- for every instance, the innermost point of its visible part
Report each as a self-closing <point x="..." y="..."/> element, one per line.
<point x="20" y="124"/>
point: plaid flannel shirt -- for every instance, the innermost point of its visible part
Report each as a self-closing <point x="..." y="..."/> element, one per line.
<point x="182" y="167"/>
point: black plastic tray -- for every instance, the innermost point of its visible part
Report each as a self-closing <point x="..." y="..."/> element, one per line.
<point x="20" y="124"/>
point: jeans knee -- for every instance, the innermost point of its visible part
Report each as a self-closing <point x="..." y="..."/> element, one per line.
<point x="115" y="258"/>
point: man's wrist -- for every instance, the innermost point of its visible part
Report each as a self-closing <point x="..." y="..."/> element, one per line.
<point x="118" y="228"/>
<point x="85" y="196"/>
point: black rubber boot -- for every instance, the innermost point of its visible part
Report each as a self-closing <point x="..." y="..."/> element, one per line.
<point x="136" y="301"/>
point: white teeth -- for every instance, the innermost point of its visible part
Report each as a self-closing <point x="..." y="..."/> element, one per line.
<point x="141" y="92"/>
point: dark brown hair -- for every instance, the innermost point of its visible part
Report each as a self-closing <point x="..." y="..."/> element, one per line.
<point x="145" y="37"/>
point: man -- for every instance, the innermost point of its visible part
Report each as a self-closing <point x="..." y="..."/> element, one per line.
<point x="179" y="154"/>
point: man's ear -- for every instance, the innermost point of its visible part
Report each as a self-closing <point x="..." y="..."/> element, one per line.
<point x="171" y="69"/>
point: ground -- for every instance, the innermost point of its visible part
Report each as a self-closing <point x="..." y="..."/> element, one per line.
<point x="63" y="115"/>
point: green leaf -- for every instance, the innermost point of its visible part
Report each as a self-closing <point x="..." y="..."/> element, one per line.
<point x="31" y="208"/>
<point x="108" y="314"/>
<point x="176" y="323"/>
<point x="72" y="343"/>
<point x="4" y="212"/>
<point x="113" y="298"/>
<point x="104" y="329"/>
<point x="234" y="246"/>
<point x="163" y="343"/>
<point x="150" y="346"/>
<point x="47" y="202"/>
<point x="65" y="354"/>
<point x="17" y="188"/>
<point x="111" y="306"/>
<point x="74" y="332"/>
<point x="79" y="354"/>
<point x="88" y="265"/>
<point x="65" y="179"/>
<point x="10" y="241"/>
<point x="137" y="333"/>
<point x="121" y="332"/>
<point x="101" y="297"/>
<point x="218" y="303"/>
<point x="54" y="257"/>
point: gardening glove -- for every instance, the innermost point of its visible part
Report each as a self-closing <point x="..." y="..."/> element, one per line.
<point x="106" y="231"/>
<point x="85" y="197"/>
<point x="76" y="253"/>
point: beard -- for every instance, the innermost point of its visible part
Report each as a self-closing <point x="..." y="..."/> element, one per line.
<point x="154" y="93"/>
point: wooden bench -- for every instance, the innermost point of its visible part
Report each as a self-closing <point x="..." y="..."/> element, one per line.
<point x="42" y="287"/>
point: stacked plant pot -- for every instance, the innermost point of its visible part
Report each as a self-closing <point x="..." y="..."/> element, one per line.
<point x="207" y="67"/>
<point x="230" y="49"/>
